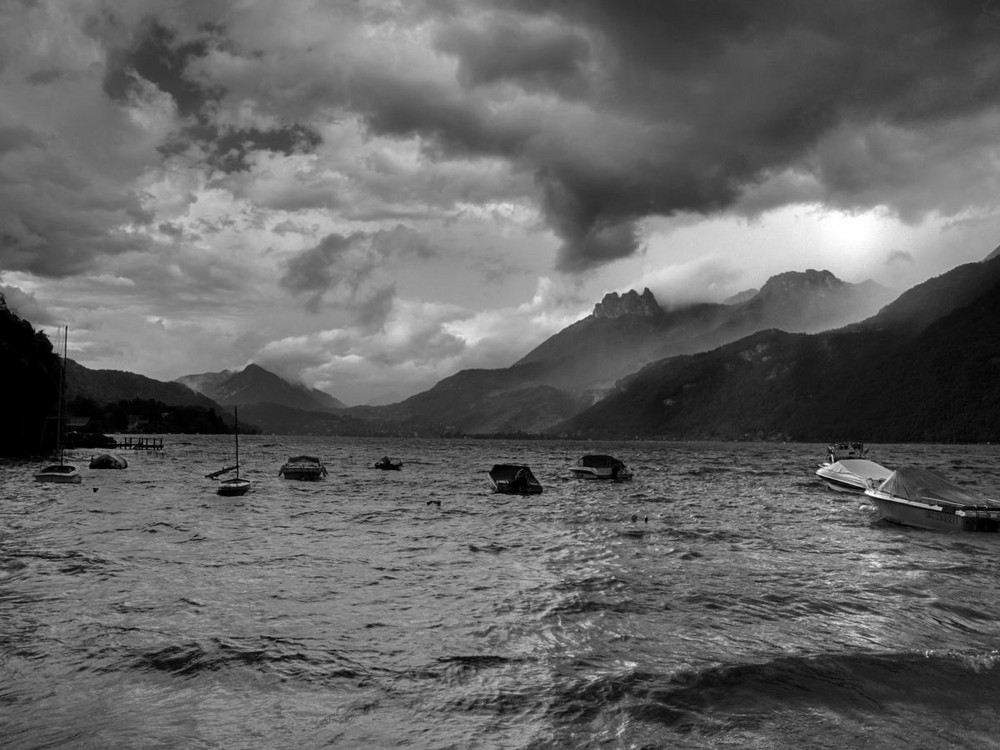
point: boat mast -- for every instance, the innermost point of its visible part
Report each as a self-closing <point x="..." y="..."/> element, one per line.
<point x="62" y="395"/>
<point x="236" y="430"/>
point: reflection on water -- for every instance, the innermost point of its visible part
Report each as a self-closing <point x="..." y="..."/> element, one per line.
<point x="723" y="598"/>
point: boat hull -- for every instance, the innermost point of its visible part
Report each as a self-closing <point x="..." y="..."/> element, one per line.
<point x="934" y="519"/>
<point x="303" y="475"/>
<point x="60" y="474"/>
<point x="587" y="472"/>
<point x="843" y="485"/>
<point x="231" y="487"/>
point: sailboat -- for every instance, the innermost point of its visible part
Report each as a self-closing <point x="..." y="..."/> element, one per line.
<point x="61" y="472"/>
<point x="234" y="485"/>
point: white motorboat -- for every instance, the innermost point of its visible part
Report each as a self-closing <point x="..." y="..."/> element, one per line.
<point x="837" y="451"/>
<point x="926" y="500"/>
<point x="599" y="466"/>
<point x="852" y="474"/>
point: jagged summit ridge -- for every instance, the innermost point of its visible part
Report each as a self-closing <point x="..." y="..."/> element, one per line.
<point x="631" y="303"/>
<point x="810" y="280"/>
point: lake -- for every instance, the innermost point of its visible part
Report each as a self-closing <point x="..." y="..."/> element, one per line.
<point x="724" y="598"/>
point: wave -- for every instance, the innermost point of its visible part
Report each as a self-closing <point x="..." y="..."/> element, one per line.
<point x="840" y="683"/>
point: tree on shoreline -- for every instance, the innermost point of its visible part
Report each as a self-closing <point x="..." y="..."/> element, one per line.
<point x="29" y="402"/>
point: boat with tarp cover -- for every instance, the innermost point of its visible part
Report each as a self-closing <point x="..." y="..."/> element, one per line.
<point x="108" y="461"/>
<point x="388" y="464"/>
<point x="852" y="474"/>
<point x="306" y="468"/>
<point x="924" y="499"/>
<point x="514" y="479"/>
<point x="600" y="466"/>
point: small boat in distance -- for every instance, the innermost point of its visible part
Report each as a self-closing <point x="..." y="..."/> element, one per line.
<point x="599" y="466"/>
<point x="514" y="479"/>
<point x="61" y="473"/>
<point x="388" y="464"/>
<point x="837" y="451"/>
<point x="235" y="485"/>
<point x="926" y="500"/>
<point x="108" y="461"/>
<point x="852" y="474"/>
<point x="306" y="468"/>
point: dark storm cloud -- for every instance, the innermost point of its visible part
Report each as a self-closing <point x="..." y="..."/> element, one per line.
<point x="721" y="96"/>
<point x="313" y="271"/>
<point x="543" y="56"/>
<point x="159" y="57"/>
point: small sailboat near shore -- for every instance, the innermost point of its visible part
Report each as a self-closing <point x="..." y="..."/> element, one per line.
<point x="236" y="485"/>
<point x="61" y="472"/>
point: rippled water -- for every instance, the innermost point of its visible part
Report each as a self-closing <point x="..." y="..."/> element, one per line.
<point x="724" y="598"/>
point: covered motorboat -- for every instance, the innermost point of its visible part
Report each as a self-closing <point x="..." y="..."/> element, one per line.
<point x="921" y="498"/>
<point x="514" y="479"/>
<point x="108" y="461"/>
<point x="852" y="474"/>
<point x="388" y="464"/>
<point x="599" y="466"/>
<point x="306" y="468"/>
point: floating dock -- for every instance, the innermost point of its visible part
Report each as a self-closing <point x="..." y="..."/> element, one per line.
<point x="140" y="443"/>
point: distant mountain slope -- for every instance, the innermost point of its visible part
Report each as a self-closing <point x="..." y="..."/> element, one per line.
<point x="278" y="419"/>
<point x="920" y="306"/>
<point x="255" y="385"/>
<point x="109" y="386"/>
<point x="477" y="402"/>
<point x="895" y="378"/>
<point x="628" y="331"/>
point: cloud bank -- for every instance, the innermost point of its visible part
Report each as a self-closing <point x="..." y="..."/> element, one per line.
<point x="330" y="154"/>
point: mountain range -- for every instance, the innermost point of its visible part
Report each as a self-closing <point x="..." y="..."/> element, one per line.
<point x="806" y="357"/>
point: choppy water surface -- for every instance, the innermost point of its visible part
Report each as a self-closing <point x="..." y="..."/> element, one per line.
<point x="724" y="598"/>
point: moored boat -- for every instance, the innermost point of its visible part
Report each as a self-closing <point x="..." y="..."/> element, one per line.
<point x="388" y="464"/>
<point x="306" y="468"/>
<point x="837" y="451"/>
<point x="235" y="485"/>
<point x="62" y="472"/>
<point x="921" y="498"/>
<point x="852" y="474"/>
<point x="108" y="461"/>
<point x="600" y="466"/>
<point x="514" y="479"/>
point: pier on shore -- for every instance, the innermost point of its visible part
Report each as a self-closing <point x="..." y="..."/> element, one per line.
<point x="130" y="443"/>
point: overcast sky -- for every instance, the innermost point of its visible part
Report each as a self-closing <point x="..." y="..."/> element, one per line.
<point x="371" y="195"/>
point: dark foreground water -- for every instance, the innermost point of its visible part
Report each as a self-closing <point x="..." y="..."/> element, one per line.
<point x="745" y="606"/>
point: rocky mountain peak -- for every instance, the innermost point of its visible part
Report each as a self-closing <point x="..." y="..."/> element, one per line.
<point x="793" y="282"/>
<point x="631" y="303"/>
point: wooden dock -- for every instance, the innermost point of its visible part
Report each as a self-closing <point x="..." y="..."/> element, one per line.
<point x="130" y="443"/>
